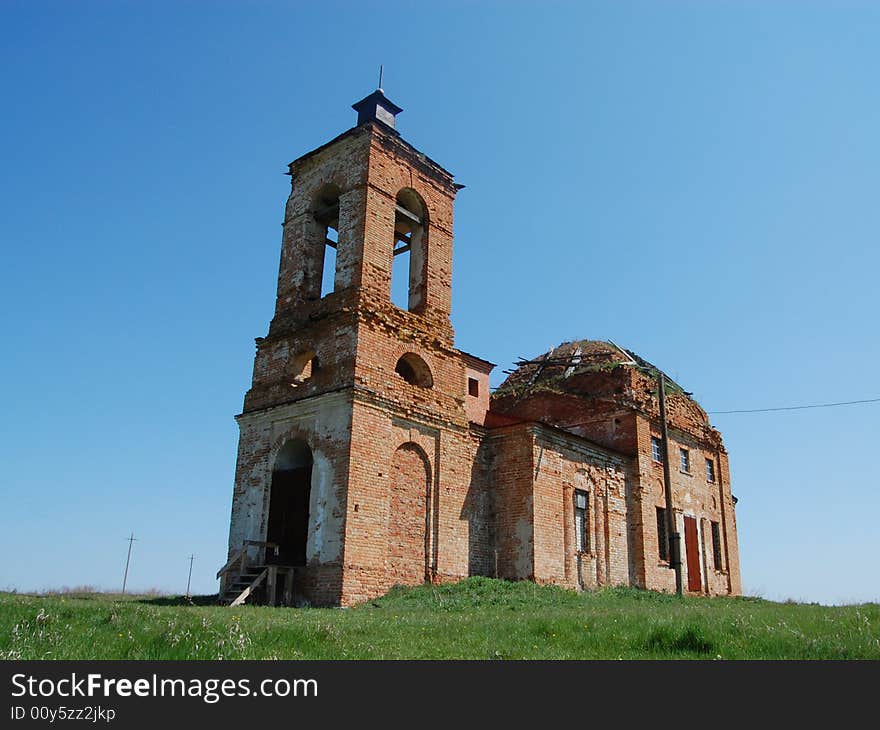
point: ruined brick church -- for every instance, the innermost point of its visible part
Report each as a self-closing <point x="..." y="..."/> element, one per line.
<point x="372" y="452"/>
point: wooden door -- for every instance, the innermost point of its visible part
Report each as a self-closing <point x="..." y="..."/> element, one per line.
<point x="692" y="549"/>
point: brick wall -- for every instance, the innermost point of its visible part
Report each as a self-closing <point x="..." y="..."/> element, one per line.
<point x="693" y="496"/>
<point x="564" y="465"/>
<point x="512" y="477"/>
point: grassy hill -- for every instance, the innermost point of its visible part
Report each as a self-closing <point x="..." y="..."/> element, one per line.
<point x="479" y="618"/>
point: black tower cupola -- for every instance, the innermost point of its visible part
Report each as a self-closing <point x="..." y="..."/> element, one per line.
<point x="376" y="107"/>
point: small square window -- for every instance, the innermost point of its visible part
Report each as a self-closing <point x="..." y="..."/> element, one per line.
<point x="685" y="461"/>
<point x="473" y="387"/>
<point x="710" y="471"/>
<point x="657" y="449"/>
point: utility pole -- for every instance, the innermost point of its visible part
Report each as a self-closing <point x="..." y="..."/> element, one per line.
<point x="189" y="580"/>
<point x="674" y="536"/>
<point x="131" y="540"/>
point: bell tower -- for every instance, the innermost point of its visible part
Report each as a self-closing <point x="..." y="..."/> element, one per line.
<point x="357" y="387"/>
<point x="367" y="188"/>
<point x="359" y="206"/>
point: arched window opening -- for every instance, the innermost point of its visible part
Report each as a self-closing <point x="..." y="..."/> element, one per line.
<point x="304" y="367"/>
<point x="414" y="370"/>
<point x="327" y="215"/>
<point x="407" y="270"/>
<point x="288" y="524"/>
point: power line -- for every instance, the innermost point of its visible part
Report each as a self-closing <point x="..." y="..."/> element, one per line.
<point x="799" y="408"/>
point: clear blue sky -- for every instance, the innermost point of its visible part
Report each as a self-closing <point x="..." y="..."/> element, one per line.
<point x="696" y="180"/>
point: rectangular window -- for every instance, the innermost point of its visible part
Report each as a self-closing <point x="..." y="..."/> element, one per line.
<point x="685" y="461"/>
<point x="716" y="545"/>
<point x="662" y="541"/>
<point x="657" y="449"/>
<point x="473" y="387"/>
<point x="582" y="520"/>
<point x="710" y="471"/>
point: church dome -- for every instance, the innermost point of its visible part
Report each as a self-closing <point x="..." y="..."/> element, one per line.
<point x="578" y="386"/>
<point x="559" y="367"/>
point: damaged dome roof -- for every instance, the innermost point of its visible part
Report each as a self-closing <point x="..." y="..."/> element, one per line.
<point x="574" y="358"/>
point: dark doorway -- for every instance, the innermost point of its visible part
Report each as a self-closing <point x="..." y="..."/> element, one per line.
<point x="695" y="580"/>
<point x="289" y="505"/>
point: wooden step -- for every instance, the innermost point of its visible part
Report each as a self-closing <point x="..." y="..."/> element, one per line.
<point x="252" y="579"/>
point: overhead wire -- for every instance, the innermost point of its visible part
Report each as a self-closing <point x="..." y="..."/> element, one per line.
<point x="798" y="408"/>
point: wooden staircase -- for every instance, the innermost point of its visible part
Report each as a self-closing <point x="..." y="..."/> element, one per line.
<point x="243" y="581"/>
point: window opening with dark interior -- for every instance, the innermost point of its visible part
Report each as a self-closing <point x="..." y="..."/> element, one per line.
<point x="414" y="370"/>
<point x="716" y="546"/>
<point x="662" y="537"/>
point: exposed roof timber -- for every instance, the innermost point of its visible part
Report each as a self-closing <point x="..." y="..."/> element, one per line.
<point x="576" y="361"/>
<point x="408" y="214"/>
<point x="542" y="363"/>
<point x="625" y="353"/>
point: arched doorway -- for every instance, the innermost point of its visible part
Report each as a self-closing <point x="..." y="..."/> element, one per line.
<point x="408" y="516"/>
<point x="289" y="504"/>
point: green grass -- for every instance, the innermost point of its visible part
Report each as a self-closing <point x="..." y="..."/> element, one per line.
<point x="479" y="618"/>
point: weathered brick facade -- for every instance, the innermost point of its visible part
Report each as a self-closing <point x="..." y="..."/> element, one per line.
<point x="597" y="391"/>
<point x="388" y="433"/>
